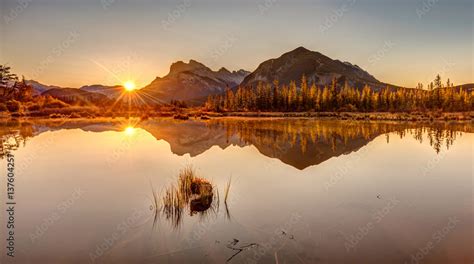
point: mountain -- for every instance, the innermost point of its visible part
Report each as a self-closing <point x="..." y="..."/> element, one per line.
<point x="191" y="81"/>
<point x="39" y="88"/>
<point x="469" y="87"/>
<point x="77" y="96"/>
<point x="317" y="67"/>
<point x="112" y="92"/>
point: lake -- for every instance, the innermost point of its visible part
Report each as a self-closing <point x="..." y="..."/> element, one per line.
<point x="298" y="191"/>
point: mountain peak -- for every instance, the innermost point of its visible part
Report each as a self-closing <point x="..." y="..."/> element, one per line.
<point x="181" y="66"/>
<point x="300" y="49"/>
<point x="318" y="69"/>
<point x="193" y="81"/>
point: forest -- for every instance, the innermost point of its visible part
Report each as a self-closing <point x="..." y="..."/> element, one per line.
<point x="305" y="97"/>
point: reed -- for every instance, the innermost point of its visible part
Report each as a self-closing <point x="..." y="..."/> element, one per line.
<point x="227" y="189"/>
<point x="189" y="191"/>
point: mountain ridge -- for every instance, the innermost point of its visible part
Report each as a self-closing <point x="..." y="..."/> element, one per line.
<point x="318" y="68"/>
<point x="192" y="80"/>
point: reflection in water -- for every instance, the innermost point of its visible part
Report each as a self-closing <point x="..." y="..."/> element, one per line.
<point x="298" y="142"/>
<point x="263" y="199"/>
<point x="13" y="135"/>
<point x="192" y="194"/>
<point x="302" y="143"/>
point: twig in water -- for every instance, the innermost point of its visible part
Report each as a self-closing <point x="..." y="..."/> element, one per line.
<point x="232" y="245"/>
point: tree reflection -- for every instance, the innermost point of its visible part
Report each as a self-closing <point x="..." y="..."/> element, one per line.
<point x="308" y="139"/>
<point x="13" y="135"/>
<point x="297" y="142"/>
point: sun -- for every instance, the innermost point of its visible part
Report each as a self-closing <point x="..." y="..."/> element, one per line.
<point x="129" y="86"/>
<point x="129" y="131"/>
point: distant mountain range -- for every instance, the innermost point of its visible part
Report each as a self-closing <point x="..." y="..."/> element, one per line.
<point x="111" y="92"/>
<point x="77" y="96"/>
<point x="194" y="82"/>
<point x="39" y="88"/>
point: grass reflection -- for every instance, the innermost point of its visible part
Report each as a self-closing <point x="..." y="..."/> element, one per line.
<point x="190" y="194"/>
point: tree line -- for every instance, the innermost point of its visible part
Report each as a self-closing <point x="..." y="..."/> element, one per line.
<point x="13" y="88"/>
<point x="285" y="98"/>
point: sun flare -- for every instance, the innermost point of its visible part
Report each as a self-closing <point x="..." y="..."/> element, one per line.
<point x="129" y="131"/>
<point x="129" y="86"/>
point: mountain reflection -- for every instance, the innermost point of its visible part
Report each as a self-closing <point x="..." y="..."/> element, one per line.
<point x="298" y="142"/>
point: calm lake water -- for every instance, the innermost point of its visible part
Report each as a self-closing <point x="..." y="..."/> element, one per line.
<point x="301" y="191"/>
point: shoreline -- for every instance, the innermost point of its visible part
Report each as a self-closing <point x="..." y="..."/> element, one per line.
<point x="203" y="116"/>
<point x="382" y="116"/>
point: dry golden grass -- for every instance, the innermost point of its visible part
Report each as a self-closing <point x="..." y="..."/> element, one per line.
<point x="190" y="192"/>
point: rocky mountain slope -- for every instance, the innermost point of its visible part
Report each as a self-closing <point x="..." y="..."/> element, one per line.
<point x="191" y="81"/>
<point x="317" y="67"/>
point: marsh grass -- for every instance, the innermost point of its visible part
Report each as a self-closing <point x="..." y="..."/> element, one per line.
<point x="227" y="189"/>
<point x="226" y="193"/>
<point x="191" y="193"/>
<point x="155" y="205"/>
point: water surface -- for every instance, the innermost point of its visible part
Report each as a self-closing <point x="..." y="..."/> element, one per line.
<point x="302" y="191"/>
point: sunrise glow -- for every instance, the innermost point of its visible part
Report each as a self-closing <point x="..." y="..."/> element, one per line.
<point x="129" y="86"/>
<point x="129" y="131"/>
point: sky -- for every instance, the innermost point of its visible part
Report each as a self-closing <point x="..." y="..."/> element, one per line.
<point x="72" y="43"/>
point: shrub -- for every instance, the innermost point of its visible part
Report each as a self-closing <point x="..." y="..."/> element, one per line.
<point x="3" y="107"/>
<point x="13" y="106"/>
<point x="75" y="115"/>
<point x="34" y="107"/>
<point x="55" y="115"/>
<point x="348" y="108"/>
<point x="54" y="103"/>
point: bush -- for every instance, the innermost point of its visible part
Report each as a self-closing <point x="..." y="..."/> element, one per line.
<point x="54" y="103"/>
<point x="34" y="107"/>
<point x="75" y="115"/>
<point x="13" y="106"/>
<point x="3" y="107"/>
<point x="55" y="115"/>
<point x="348" y="108"/>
